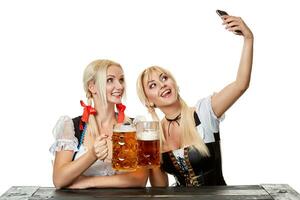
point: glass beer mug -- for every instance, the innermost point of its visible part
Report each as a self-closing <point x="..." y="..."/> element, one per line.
<point x="124" y="144"/>
<point x="148" y="144"/>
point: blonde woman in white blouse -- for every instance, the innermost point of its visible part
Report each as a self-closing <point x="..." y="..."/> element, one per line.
<point x="83" y="157"/>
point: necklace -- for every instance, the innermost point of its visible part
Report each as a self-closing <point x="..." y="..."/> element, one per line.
<point x="176" y="120"/>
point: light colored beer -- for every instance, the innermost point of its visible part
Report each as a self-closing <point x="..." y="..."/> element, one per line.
<point x="124" y="150"/>
<point x="148" y="149"/>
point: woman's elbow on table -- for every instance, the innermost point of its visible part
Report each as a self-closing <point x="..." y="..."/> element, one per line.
<point x="59" y="182"/>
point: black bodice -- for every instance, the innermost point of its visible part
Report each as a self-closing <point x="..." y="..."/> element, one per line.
<point x="196" y="170"/>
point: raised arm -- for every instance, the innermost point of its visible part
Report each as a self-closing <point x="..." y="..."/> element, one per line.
<point x="222" y="100"/>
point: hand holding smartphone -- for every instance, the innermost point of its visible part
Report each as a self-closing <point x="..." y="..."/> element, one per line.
<point x="221" y="13"/>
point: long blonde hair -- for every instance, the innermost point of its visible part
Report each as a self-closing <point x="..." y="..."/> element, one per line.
<point x="96" y="72"/>
<point x="190" y="135"/>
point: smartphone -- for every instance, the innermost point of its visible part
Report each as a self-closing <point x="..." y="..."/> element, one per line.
<point x="221" y="13"/>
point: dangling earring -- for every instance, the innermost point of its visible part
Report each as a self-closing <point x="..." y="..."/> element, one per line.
<point x="152" y="105"/>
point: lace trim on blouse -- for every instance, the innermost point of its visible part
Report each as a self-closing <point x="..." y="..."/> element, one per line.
<point x="64" y="136"/>
<point x="63" y="145"/>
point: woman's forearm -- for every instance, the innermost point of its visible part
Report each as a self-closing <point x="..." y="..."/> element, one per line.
<point x="132" y="179"/>
<point x="158" y="178"/>
<point x="65" y="171"/>
<point x="245" y="67"/>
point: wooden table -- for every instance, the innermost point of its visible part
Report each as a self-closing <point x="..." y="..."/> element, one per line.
<point x="265" y="191"/>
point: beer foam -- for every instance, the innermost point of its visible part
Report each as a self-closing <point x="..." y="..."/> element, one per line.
<point x="124" y="129"/>
<point x="147" y="136"/>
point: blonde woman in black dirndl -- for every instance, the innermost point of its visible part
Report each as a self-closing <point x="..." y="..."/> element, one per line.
<point x="190" y="139"/>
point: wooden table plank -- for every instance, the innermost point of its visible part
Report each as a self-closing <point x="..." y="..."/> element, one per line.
<point x="281" y="191"/>
<point x="19" y="192"/>
<point x="244" y="192"/>
<point x="71" y="195"/>
<point x="209" y="193"/>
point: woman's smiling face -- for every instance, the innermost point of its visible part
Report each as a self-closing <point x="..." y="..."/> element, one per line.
<point x="115" y="84"/>
<point x="160" y="89"/>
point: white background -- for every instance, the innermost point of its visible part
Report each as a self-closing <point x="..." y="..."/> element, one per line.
<point x="45" y="46"/>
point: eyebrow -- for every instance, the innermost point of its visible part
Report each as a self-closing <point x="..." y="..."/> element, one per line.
<point x="150" y="82"/>
<point x="161" y="75"/>
<point x="159" y="78"/>
<point x="110" y="75"/>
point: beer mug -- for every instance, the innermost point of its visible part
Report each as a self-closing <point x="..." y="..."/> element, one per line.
<point x="124" y="144"/>
<point x="148" y="144"/>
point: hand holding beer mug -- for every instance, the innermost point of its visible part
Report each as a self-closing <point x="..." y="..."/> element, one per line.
<point x="148" y="144"/>
<point x="100" y="147"/>
<point x="124" y="147"/>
